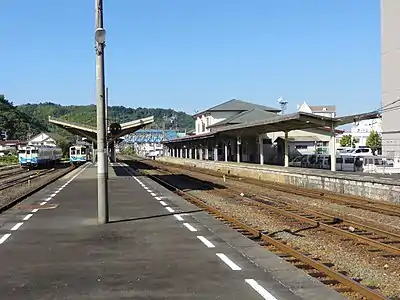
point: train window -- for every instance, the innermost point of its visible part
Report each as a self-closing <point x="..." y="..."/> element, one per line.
<point x="28" y="151"/>
<point x="339" y="160"/>
<point x="78" y="151"/>
<point x="21" y="151"/>
<point x="349" y="160"/>
<point x="35" y="151"/>
<point x="72" y="151"/>
<point x="83" y="151"/>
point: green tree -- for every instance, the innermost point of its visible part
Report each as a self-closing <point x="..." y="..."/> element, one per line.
<point x="374" y="140"/>
<point x="64" y="143"/>
<point x="16" y="123"/>
<point x="345" y="141"/>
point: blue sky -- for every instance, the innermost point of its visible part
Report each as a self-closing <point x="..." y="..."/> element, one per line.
<point x="188" y="55"/>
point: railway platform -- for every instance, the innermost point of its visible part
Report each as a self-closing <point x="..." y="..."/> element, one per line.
<point x="156" y="246"/>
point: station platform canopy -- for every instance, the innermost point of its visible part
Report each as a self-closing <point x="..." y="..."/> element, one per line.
<point x="91" y="133"/>
<point x="276" y="123"/>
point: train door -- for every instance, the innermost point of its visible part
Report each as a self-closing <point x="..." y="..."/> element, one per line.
<point x="22" y="156"/>
<point x="84" y="154"/>
<point x="28" y="155"/>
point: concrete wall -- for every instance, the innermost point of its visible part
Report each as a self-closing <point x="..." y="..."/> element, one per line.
<point x="390" y="48"/>
<point x="352" y="184"/>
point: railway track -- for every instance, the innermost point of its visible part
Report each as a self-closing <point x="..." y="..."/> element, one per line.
<point x="24" y="179"/>
<point x="316" y="268"/>
<point x="5" y="205"/>
<point x="384" y="243"/>
<point x="346" y="200"/>
<point x="12" y="173"/>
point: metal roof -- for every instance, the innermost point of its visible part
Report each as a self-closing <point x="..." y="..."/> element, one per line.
<point x="151" y="136"/>
<point x="295" y="121"/>
<point x="239" y="106"/>
<point x="254" y="114"/>
<point x="91" y="133"/>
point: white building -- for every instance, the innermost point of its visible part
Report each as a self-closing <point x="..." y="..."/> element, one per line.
<point x="360" y="132"/>
<point x="44" y="139"/>
<point x="235" y="111"/>
<point x="321" y="110"/>
<point x="224" y="111"/>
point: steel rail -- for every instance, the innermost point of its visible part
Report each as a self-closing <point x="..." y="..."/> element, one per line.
<point x="258" y="235"/>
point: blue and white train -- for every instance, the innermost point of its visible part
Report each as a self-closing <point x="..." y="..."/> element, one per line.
<point x="78" y="154"/>
<point x="36" y="156"/>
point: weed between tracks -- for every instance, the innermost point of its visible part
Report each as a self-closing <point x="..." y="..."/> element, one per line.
<point x="373" y="270"/>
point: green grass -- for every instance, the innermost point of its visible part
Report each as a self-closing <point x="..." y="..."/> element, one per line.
<point x="8" y="160"/>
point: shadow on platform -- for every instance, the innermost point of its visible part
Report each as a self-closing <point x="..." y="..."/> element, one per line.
<point x="185" y="182"/>
<point x="154" y="216"/>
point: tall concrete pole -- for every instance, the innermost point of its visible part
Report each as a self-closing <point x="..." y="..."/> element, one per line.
<point x="102" y="165"/>
<point x="107" y="124"/>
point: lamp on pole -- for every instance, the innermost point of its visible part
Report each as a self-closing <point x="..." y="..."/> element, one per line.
<point x="102" y="165"/>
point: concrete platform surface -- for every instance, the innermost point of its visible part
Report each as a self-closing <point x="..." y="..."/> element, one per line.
<point x="52" y="248"/>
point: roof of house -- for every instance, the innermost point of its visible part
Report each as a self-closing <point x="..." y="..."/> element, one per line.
<point x="12" y="142"/>
<point x="322" y="108"/>
<point x="254" y="114"/>
<point x="238" y="105"/>
<point x="51" y="135"/>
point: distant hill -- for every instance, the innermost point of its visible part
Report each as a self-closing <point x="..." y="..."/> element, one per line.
<point x="17" y="123"/>
<point x="86" y="115"/>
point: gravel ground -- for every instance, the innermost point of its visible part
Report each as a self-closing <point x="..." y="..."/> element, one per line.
<point x="374" y="270"/>
<point x="8" y="195"/>
<point x="374" y="219"/>
<point x="13" y="175"/>
<point x="383" y="273"/>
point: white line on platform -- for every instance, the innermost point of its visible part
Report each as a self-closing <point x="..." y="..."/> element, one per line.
<point x="259" y="289"/>
<point x="54" y="194"/>
<point x="205" y="241"/>
<point x="178" y="217"/>
<point x="17" y="226"/>
<point x="157" y="198"/>
<point x="230" y="263"/>
<point x="190" y="227"/>
<point x="4" y="238"/>
<point x="153" y="194"/>
<point x="27" y="217"/>
<point x="169" y="209"/>
<point x="48" y="199"/>
<point x="163" y="203"/>
<point x="145" y="187"/>
<point x="150" y="191"/>
<point x="43" y="203"/>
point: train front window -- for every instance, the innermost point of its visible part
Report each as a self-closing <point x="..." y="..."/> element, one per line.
<point x="21" y="151"/>
<point x="78" y="151"/>
<point x="28" y="151"/>
<point x="83" y="151"/>
<point x="35" y="151"/>
<point x="72" y="151"/>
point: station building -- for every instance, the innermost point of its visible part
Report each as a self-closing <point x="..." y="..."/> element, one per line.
<point x="241" y="131"/>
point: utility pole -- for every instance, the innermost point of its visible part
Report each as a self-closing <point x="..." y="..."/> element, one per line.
<point x="102" y="164"/>
<point x="107" y="124"/>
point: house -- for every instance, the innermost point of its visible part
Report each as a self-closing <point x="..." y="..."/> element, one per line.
<point x="237" y="112"/>
<point x="10" y="146"/>
<point x="44" y="139"/>
<point x="321" y="110"/>
<point x="224" y="111"/>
